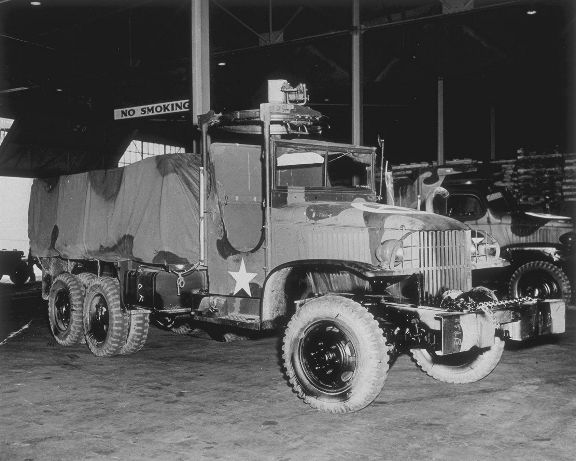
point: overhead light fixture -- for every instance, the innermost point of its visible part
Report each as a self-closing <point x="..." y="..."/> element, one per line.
<point x="531" y="12"/>
<point x="35" y="3"/>
<point x="59" y="90"/>
<point x="222" y="64"/>
<point x="14" y="90"/>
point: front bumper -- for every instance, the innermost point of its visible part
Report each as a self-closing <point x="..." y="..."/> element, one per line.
<point x="462" y="331"/>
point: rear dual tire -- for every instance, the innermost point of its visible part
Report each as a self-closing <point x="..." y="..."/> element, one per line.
<point x="65" y="303"/>
<point x="109" y="329"/>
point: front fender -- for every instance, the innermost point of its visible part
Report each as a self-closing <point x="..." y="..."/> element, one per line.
<point x="284" y="285"/>
<point x="520" y="254"/>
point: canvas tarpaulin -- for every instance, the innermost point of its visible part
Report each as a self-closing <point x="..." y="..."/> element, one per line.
<point x="148" y="212"/>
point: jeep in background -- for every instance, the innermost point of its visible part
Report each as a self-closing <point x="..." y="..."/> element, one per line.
<point x="539" y="246"/>
<point x="17" y="267"/>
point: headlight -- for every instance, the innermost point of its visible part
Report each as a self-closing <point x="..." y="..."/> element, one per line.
<point x="390" y="254"/>
<point x="483" y="246"/>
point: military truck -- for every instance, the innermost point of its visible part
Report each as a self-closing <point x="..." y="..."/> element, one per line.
<point x="539" y="246"/>
<point x="267" y="229"/>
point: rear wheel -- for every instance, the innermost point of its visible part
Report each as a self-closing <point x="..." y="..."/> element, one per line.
<point x="87" y="279"/>
<point x="138" y="325"/>
<point x="105" y="323"/>
<point x="335" y="355"/>
<point x="65" y="302"/>
<point x="540" y="279"/>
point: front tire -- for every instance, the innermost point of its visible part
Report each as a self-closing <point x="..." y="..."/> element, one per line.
<point x="105" y="323"/>
<point x="65" y="302"/>
<point x="335" y="355"/>
<point x="540" y="279"/>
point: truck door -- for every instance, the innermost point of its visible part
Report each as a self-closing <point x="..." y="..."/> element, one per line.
<point x="238" y="173"/>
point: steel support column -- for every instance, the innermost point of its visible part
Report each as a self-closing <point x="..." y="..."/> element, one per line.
<point x="492" y="133"/>
<point x="200" y="59"/>
<point x="440" y="158"/>
<point x="357" y="116"/>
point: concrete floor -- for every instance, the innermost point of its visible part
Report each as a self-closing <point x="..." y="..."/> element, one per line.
<point x="184" y="398"/>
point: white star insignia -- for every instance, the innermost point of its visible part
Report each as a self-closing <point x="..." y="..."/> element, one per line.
<point x="242" y="278"/>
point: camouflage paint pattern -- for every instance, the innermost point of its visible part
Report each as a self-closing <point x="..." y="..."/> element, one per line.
<point x="305" y="225"/>
<point x="147" y="212"/>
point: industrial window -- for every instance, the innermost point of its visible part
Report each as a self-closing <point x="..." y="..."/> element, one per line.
<point x="139" y="150"/>
<point x="5" y="124"/>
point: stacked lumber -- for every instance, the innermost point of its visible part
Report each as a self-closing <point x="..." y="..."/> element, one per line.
<point x="569" y="183"/>
<point x="544" y="182"/>
<point x="537" y="180"/>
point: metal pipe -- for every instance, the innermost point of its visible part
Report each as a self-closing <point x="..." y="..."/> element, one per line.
<point x="202" y="217"/>
<point x="265" y="118"/>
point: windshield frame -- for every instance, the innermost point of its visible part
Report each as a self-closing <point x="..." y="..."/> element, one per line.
<point x="325" y="149"/>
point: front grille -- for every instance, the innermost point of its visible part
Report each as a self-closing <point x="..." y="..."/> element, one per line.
<point x="344" y="243"/>
<point x="443" y="258"/>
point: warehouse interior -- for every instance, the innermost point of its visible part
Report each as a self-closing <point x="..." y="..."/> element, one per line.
<point x="485" y="88"/>
<point x="505" y="71"/>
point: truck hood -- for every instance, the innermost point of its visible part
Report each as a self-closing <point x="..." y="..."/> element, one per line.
<point x="347" y="230"/>
<point x="363" y="214"/>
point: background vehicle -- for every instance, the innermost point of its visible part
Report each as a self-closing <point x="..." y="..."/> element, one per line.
<point x="280" y="233"/>
<point x="18" y="268"/>
<point x="539" y="246"/>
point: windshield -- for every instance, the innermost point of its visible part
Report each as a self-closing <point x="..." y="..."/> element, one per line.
<point x="323" y="169"/>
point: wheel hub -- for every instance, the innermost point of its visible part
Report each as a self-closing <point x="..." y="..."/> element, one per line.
<point x="62" y="304"/>
<point x="99" y="318"/>
<point x="328" y="357"/>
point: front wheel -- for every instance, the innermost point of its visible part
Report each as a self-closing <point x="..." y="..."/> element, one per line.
<point x="335" y="355"/>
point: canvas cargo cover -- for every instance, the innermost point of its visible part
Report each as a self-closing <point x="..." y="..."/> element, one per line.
<point x="148" y="212"/>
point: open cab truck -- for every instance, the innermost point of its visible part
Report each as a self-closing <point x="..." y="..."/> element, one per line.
<point x="266" y="234"/>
